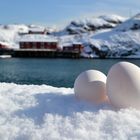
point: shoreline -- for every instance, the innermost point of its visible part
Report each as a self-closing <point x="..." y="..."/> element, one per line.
<point x="34" y="53"/>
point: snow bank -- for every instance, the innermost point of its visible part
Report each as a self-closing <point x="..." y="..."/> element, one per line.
<point x="32" y="112"/>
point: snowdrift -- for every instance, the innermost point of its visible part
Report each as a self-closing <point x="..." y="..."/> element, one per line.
<point x="32" y="112"/>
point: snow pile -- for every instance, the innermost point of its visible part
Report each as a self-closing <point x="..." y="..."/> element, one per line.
<point x="32" y="112"/>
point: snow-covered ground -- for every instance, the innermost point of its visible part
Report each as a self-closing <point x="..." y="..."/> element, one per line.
<point x="32" y="112"/>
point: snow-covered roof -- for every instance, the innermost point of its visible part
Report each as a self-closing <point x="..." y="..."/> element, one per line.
<point x="77" y="43"/>
<point x="4" y="43"/>
<point x="37" y="38"/>
<point x="37" y="29"/>
<point x="70" y="44"/>
<point x="67" y="44"/>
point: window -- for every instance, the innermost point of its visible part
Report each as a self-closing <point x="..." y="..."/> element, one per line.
<point x="34" y="45"/>
<point x="42" y="45"/>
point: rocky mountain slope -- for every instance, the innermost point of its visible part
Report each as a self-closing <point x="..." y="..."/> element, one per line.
<point x="122" y="41"/>
<point x="91" y="24"/>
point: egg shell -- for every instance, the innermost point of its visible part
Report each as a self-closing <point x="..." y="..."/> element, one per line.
<point x="123" y="85"/>
<point x="91" y="86"/>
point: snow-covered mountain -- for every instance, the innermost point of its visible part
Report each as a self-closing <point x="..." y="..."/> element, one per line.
<point x="103" y="36"/>
<point x="122" y="41"/>
<point x="91" y="24"/>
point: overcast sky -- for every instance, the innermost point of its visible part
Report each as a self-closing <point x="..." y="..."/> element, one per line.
<point x="58" y="12"/>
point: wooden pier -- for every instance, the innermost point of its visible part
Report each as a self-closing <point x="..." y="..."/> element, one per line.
<point x="35" y="53"/>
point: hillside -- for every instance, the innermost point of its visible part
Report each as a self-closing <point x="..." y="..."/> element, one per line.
<point x="12" y="33"/>
<point x="122" y="41"/>
<point x="91" y="24"/>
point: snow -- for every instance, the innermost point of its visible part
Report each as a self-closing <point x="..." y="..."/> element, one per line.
<point x="12" y="33"/>
<point x="37" y="38"/>
<point x="94" y="22"/>
<point x="4" y="43"/>
<point x="37" y="29"/>
<point x="33" y="112"/>
<point x="122" y="41"/>
<point x="129" y="24"/>
<point x="113" y="18"/>
<point x="9" y="34"/>
<point x="5" y="56"/>
<point x="91" y="24"/>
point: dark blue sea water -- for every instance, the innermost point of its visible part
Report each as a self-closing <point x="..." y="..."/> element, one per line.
<point x="55" y="72"/>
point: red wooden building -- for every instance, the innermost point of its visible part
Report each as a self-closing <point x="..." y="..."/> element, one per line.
<point x="38" y="42"/>
<point x="4" y="45"/>
<point x="75" y="47"/>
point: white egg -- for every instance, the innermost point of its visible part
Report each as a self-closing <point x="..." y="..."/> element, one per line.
<point x="123" y="85"/>
<point x="91" y="86"/>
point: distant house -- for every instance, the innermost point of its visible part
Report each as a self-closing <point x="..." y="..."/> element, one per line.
<point x="38" y="42"/>
<point x="74" y="47"/>
<point x="4" y="45"/>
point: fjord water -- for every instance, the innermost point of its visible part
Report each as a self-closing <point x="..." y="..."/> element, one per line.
<point x="54" y="72"/>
